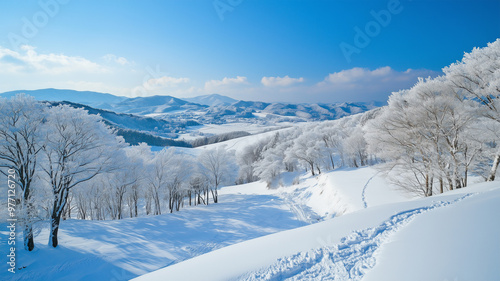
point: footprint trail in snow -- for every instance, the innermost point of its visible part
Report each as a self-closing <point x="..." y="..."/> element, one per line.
<point x="348" y="260"/>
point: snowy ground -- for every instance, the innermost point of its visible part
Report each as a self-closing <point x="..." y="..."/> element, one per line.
<point x="448" y="237"/>
<point x="123" y="249"/>
<point x="344" y="225"/>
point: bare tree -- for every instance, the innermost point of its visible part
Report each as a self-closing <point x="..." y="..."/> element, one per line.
<point x="217" y="165"/>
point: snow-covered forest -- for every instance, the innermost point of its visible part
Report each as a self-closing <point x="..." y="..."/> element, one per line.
<point x="429" y="139"/>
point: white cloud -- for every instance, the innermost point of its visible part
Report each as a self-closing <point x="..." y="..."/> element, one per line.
<point x="155" y="86"/>
<point x="357" y="74"/>
<point x="165" y="81"/>
<point x="363" y="84"/>
<point x="226" y="81"/>
<point x="116" y="59"/>
<point x="29" y="69"/>
<point x="28" y="61"/>
<point x="280" y="81"/>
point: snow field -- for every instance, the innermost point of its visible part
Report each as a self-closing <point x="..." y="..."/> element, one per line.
<point x="349" y="246"/>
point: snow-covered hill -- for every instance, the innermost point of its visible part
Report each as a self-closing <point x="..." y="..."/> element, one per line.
<point x="123" y="249"/>
<point x="347" y="224"/>
<point x="211" y="100"/>
<point x="448" y="237"/>
<point x="156" y="105"/>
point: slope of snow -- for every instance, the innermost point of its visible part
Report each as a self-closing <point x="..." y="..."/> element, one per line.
<point x="123" y="249"/>
<point x="457" y="243"/>
<point x="195" y="132"/>
<point x="239" y="144"/>
<point x="341" y="191"/>
<point x="372" y="239"/>
<point x="215" y="242"/>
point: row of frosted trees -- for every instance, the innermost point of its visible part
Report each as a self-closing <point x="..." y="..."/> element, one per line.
<point x="428" y="139"/>
<point x="436" y="134"/>
<point x="69" y="164"/>
<point x="313" y="147"/>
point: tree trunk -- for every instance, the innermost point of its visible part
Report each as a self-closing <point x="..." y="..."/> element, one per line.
<point x="214" y="195"/>
<point x="54" y="228"/>
<point x="494" y="167"/>
<point x="57" y="210"/>
<point x="29" y="244"/>
<point x="331" y="160"/>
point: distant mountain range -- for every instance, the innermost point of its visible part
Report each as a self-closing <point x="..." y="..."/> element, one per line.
<point x="158" y="119"/>
<point x="205" y="109"/>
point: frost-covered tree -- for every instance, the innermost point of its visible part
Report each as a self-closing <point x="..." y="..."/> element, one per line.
<point x="138" y="156"/>
<point x="425" y="136"/>
<point x="78" y="147"/>
<point x="218" y="167"/>
<point x="21" y="120"/>
<point x="158" y="179"/>
<point x="354" y="145"/>
<point x="306" y="151"/>
<point x="477" y="78"/>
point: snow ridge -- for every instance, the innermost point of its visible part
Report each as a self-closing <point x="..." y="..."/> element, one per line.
<point x="348" y="260"/>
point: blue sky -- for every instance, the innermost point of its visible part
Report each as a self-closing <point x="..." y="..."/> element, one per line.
<point x="293" y="51"/>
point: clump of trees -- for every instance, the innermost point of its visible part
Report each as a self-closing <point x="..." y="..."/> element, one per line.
<point x="434" y="135"/>
<point x="427" y="140"/>
<point x="312" y="147"/>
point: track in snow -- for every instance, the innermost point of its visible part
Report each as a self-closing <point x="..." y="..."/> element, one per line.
<point x="302" y="212"/>
<point x="348" y="260"/>
<point x="363" y="194"/>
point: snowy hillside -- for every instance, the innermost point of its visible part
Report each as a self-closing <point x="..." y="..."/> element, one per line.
<point x="123" y="249"/>
<point x="211" y="100"/>
<point x="155" y="105"/>
<point x="415" y="240"/>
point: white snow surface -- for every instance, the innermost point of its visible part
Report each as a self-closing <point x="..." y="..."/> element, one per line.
<point x="454" y="236"/>
<point x="349" y="224"/>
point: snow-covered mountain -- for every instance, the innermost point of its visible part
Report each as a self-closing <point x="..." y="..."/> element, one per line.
<point x="136" y="129"/>
<point x="94" y="99"/>
<point x="156" y="105"/>
<point x="208" y="109"/>
<point x="211" y="100"/>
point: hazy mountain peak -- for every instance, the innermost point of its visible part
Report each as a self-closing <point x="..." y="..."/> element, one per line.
<point x="212" y="100"/>
<point x="94" y="99"/>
